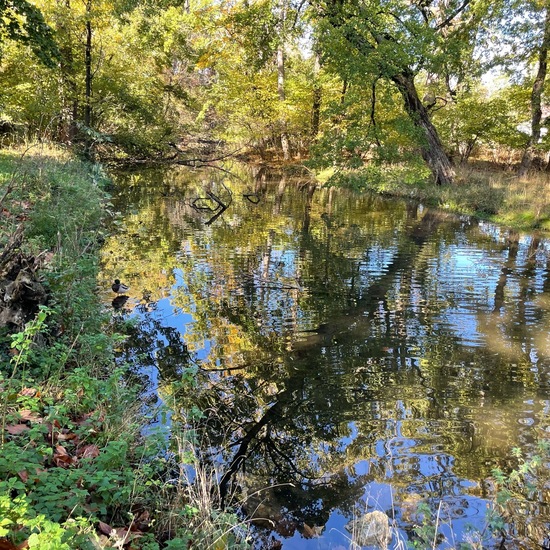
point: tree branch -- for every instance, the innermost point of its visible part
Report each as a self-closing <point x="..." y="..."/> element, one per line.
<point x="449" y="19"/>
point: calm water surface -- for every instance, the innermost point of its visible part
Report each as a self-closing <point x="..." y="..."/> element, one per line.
<point x="362" y="354"/>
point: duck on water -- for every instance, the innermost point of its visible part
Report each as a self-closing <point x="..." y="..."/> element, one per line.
<point x="118" y="287"/>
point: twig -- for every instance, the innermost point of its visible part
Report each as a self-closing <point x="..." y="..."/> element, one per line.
<point x="9" y="189"/>
<point x="449" y="19"/>
<point x="223" y="208"/>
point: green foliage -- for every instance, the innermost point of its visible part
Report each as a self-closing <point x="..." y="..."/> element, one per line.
<point x="43" y="495"/>
<point x="474" y="121"/>
<point x="372" y="39"/>
<point x="52" y="495"/>
<point x="528" y="476"/>
<point x="364" y="126"/>
<point x="476" y="198"/>
<point x="146" y="101"/>
<point x="177" y="543"/>
<point x="68" y="202"/>
<point x="520" y="493"/>
<point x="19" y="517"/>
<point x="426" y="533"/>
<point x="22" y="341"/>
<point x="254" y="26"/>
<point x="139" y="79"/>
<point x="404" y="181"/>
<point x="23" y="22"/>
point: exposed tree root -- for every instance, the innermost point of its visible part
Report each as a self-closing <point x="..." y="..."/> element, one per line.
<point x="20" y="290"/>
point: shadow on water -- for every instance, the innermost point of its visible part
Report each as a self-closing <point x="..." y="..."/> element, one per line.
<point x="356" y="354"/>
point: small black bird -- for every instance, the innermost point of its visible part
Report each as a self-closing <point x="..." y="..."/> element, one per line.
<point x="118" y="287"/>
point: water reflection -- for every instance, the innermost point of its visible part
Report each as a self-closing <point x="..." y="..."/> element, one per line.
<point x="358" y="353"/>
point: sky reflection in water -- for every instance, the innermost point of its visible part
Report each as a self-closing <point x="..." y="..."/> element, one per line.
<point x="377" y="355"/>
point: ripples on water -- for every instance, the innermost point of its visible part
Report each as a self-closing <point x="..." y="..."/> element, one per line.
<point x="392" y="356"/>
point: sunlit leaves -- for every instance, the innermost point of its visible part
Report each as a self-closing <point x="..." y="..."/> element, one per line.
<point x="23" y="22"/>
<point x="254" y="27"/>
<point x="142" y="61"/>
<point x="475" y="120"/>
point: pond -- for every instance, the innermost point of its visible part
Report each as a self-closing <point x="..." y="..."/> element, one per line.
<point x="353" y="353"/>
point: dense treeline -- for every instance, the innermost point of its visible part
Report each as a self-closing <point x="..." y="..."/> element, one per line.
<point x="351" y="81"/>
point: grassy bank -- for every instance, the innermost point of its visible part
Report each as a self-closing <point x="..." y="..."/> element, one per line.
<point x="69" y="430"/>
<point x="75" y="471"/>
<point x="482" y="190"/>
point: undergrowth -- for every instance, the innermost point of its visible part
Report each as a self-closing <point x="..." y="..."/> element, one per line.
<point x="76" y="471"/>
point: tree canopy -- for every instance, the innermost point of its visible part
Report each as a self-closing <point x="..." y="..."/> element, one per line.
<point x="347" y="83"/>
<point x="22" y="22"/>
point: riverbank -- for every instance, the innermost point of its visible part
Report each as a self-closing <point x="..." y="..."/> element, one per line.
<point x="483" y="190"/>
<point x="69" y="423"/>
<point x="75" y="471"/>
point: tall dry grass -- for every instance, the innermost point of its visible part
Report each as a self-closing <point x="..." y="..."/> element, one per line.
<point x="501" y="196"/>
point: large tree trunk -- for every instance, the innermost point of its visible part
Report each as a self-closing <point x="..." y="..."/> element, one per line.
<point x="536" y="94"/>
<point x="431" y="148"/>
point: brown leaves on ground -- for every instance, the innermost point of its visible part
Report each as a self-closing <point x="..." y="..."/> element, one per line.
<point x="25" y="416"/>
<point x="29" y="392"/>
<point x="6" y="544"/>
<point x="71" y="445"/>
<point x="122" y="537"/>
<point x="17" y="429"/>
<point x="62" y="458"/>
<point x="88" y="451"/>
<point x="30" y="416"/>
<point x="69" y="449"/>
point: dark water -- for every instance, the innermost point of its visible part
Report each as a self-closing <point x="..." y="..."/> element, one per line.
<point x="363" y="354"/>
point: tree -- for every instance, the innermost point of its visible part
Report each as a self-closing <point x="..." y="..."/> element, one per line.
<point x="24" y="23"/>
<point x="79" y="26"/>
<point x="536" y="94"/>
<point x="396" y="41"/>
<point x="476" y="119"/>
<point x="262" y="90"/>
<point x="121" y="80"/>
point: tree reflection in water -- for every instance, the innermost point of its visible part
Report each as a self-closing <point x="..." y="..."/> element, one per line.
<point x="355" y="353"/>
